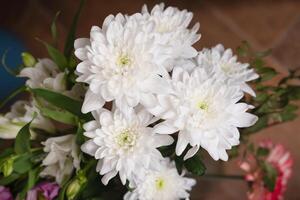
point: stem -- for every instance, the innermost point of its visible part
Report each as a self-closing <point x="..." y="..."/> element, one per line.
<point x="223" y="176"/>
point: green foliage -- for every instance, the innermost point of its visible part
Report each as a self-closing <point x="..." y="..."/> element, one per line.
<point x="59" y="115"/>
<point x="71" y="35"/>
<point x="54" y="29"/>
<point x="270" y="176"/>
<point x="195" y="165"/>
<point x="22" y="141"/>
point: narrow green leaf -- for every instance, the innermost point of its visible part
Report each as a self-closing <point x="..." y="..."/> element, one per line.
<point x="59" y="100"/>
<point x="270" y="176"/>
<point x="22" y="142"/>
<point x="54" y="29"/>
<point x="9" y="179"/>
<point x="56" y="56"/>
<point x="31" y="181"/>
<point x="12" y="95"/>
<point x="22" y="164"/>
<point x="59" y="115"/>
<point x="69" y="45"/>
<point x="195" y="165"/>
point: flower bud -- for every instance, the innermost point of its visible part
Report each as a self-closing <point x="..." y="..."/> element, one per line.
<point x="7" y="166"/>
<point x="75" y="186"/>
<point x="28" y="59"/>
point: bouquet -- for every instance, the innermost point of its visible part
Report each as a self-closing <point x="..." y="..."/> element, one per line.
<point x="129" y="112"/>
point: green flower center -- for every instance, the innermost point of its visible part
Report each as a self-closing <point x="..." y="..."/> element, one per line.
<point x="160" y="183"/>
<point x="126" y="138"/>
<point x="202" y="105"/>
<point x="123" y="61"/>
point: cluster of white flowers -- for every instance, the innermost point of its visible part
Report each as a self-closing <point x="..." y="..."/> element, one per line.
<point x="146" y="65"/>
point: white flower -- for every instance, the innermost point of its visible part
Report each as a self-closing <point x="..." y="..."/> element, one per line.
<point x="123" y="143"/>
<point x="121" y="62"/>
<point x="21" y="113"/>
<point x="46" y="74"/>
<point x="62" y="158"/>
<point x="205" y="111"/>
<point x="224" y="65"/>
<point x="172" y="29"/>
<point x="163" y="183"/>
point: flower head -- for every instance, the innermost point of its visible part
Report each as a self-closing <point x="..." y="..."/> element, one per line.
<point x="163" y="183"/>
<point x="21" y="113"/>
<point x="279" y="160"/>
<point x="44" y="190"/>
<point x="123" y="143"/>
<point x="171" y="28"/>
<point x="120" y="62"/>
<point x="205" y="111"/>
<point x="223" y="65"/>
<point x="5" y="193"/>
<point x="62" y="158"/>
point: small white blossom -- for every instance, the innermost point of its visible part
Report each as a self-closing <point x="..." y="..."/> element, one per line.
<point x="120" y="62"/>
<point x="172" y="29"/>
<point x="223" y="65"/>
<point x="46" y="74"/>
<point x="123" y="143"/>
<point x="205" y="111"/>
<point x="21" y="113"/>
<point x="163" y="183"/>
<point x="62" y="158"/>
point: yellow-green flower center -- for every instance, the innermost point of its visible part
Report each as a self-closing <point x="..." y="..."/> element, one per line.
<point x="202" y="105"/>
<point x="123" y="61"/>
<point x="126" y="138"/>
<point x="160" y="183"/>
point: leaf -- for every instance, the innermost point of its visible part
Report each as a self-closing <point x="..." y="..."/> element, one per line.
<point x="270" y="176"/>
<point x="69" y="45"/>
<point x="23" y="163"/>
<point x="31" y="181"/>
<point x="54" y="29"/>
<point x="60" y="101"/>
<point x="59" y="115"/>
<point x="80" y="139"/>
<point x="9" y="179"/>
<point x="195" y="165"/>
<point x="262" y="151"/>
<point x="56" y="56"/>
<point x="266" y="73"/>
<point x="12" y="95"/>
<point x="244" y="49"/>
<point x="22" y="141"/>
<point x="294" y="92"/>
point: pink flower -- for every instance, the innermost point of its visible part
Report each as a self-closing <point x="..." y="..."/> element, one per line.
<point x="5" y="193"/>
<point x="279" y="159"/>
<point x="46" y="190"/>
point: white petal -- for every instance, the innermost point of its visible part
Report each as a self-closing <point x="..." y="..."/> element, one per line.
<point x="164" y="128"/>
<point x="191" y="152"/>
<point x="92" y="102"/>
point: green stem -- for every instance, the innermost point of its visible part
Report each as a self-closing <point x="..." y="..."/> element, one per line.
<point x="223" y="176"/>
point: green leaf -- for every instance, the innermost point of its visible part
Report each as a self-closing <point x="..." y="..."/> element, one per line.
<point x="56" y="56"/>
<point x="9" y="179"/>
<point x="262" y="151"/>
<point x="12" y="95"/>
<point x="69" y="45"/>
<point x="266" y="73"/>
<point x="59" y="115"/>
<point x="60" y="101"/>
<point x="195" y="165"/>
<point x="270" y="176"/>
<point x="80" y="139"/>
<point x="23" y="163"/>
<point x="244" y="49"/>
<point x="22" y="141"/>
<point x="294" y="92"/>
<point x="31" y="181"/>
<point x="54" y="29"/>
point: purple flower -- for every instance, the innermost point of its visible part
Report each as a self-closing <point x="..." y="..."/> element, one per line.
<point x="45" y="189"/>
<point x="5" y="193"/>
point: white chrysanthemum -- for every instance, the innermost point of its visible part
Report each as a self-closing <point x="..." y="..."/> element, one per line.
<point x="120" y="62"/>
<point x="205" y="111"/>
<point x="21" y="113"/>
<point x="172" y="29"/>
<point x="163" y="183"/>
<point x="224" y="65"/>
<point x="123" y="143"/>
<point x="62" y="158"/>
<point x="46" y="74"/>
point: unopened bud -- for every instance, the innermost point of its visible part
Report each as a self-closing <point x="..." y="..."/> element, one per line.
<point x="75" y="186"/>
<point x="28" y="59"/>
<point x="7" y="166"/>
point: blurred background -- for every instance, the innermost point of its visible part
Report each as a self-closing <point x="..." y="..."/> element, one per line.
<point x="264" y="24"/>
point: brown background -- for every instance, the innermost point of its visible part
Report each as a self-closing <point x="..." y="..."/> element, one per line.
<point x="263" y="23"/>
